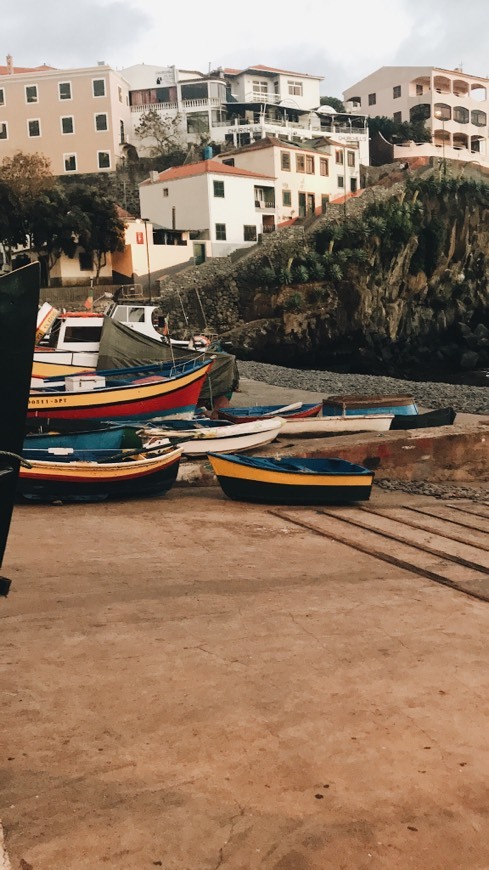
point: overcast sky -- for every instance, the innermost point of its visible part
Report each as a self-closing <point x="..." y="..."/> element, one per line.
<point x="341" y="41"/>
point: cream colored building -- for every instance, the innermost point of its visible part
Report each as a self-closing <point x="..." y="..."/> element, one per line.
<point x="454" y="105"/>
<point x="78" y="118"/>
<point x="307" y="176"/>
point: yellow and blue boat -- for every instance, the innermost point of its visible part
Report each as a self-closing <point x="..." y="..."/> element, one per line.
<point x="291" y="480"/>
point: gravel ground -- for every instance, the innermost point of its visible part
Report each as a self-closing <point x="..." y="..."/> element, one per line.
<point x="463" y="398"/>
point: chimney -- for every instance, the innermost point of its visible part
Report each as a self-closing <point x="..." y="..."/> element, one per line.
<point x="10" y="65"/>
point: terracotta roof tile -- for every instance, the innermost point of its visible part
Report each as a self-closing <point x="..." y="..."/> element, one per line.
<point x="4" y="70"/>
<point x="203" y="167"/>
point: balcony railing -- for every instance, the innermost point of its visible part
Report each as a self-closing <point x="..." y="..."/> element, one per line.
<point x="210" y="103"/>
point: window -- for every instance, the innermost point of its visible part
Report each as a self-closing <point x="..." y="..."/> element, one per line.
<point x="64" y="90"/>
<point x="350" y="156"/>
<point x="165" y="191"/>
<point x="67" y="124"/>
<point x="69" y="162"/>
<point x="324" y="203"/>
<point x="103" y="159"/>
<point x="323" y="166"/>
<point x="338" y="156"/>
<point x="340" y="181"/>
<point x="295" y="88"/>
<point x="119" y="91"/>
<point x="285" y="161"/>
<point x="260" y="89"/>
<point x="249" y="233"/>
<point x="2" y="97"/>
<point x="219" y="189"/>
<point x="309" y="165"/>
<point x="101" y="123"/>
<point x="372" y="99"/>
<point x="98" y="86"/>
<point x="419" y="90"/>
<point x="396" y="91"/>
<point x="3" y="131"/>
<point x="86" y="261"/>
<point x="286" y="198"/>
<point x="397" y="117"/>
<point x="221" y="232"/>
<point x="34" y="127"/>
<point x="461" y="115"/>
<point x="479" y="118"/>
<point x="300" y="163"/>
<point x="31" y="94"/>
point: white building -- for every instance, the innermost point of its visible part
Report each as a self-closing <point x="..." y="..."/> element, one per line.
<point x="222" y="205"/>
<point x="454" y="105"/>
<point x="306" y="176"/>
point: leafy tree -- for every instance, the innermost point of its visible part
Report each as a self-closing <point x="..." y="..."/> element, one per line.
<point x="334" y="102"/>
<point x="95" y="223"/>
<point x="51" y="226"/>
<point x="164" y="130"/>
<point x="23" y="177"/>
<point x="395" y="131"/>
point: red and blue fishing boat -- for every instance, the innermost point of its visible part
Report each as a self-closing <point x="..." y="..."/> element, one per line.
<point x="88" y="475"/>
<point x="138" y="393"/>
<point x="294" y="411"/>
<point x="360" y="404"/>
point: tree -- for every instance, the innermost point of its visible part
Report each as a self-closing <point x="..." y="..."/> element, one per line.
<point x="95" y="223"/>
<point x="395" y="131"/>
<point x="334" y="102"/>
<point x="165" y="131"/>
<point x="23" y="178"/>
<point x="51" y="226"/>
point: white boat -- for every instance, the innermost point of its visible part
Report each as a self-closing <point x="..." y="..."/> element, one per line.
<point x="224" y="438"/>
<point x="69" y="342"/>
<point x="336" y="425"/>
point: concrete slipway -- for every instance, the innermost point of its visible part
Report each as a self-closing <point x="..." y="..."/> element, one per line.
<point x="193" y="683"/>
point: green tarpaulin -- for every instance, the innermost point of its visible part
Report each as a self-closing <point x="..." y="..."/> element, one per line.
<point x="122" y="347"/>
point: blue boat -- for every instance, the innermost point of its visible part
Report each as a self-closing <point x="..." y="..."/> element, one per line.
<point x="359" y="404"/>
<point x="294" y="411"/>
<point x="291" y="480"/>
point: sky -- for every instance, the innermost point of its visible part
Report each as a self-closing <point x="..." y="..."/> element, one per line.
<point x="340" y="41"/>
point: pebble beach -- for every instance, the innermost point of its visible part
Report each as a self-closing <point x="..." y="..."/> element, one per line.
<point x="461" y="397"/>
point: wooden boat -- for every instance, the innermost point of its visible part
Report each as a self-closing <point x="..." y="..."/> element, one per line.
<point x="194" y="438"/>
<point x="82" y="476"/>
<point x="359" y="404"/>
<point x="296" y="410"/>
<point x="204" y="438"/>
<point x="340" y="425"/>
<point x="123" y="394"/>
<point x="439" y="417"/>
<point x="19" y="300"/>
<point x="292" y="480"/>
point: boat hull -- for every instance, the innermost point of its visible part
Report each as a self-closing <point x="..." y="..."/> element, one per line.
<point x="19" y="300"/>
<point x="224" y="439"/>
<point x="176" y="396"/>
<point x="341" y="425"/>
<point x="93" y="481"/>
<point x="257" y="483"/>
<point x="261" y="412"/>
<point x="358" y="404"/>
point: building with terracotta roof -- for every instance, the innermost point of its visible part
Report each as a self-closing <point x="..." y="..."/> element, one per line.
<point x="224" y="207"/>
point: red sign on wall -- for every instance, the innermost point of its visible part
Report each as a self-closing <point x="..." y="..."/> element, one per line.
<point x="139" y="239"/>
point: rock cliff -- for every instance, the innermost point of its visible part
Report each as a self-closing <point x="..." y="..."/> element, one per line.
<point x="395" y="280"/>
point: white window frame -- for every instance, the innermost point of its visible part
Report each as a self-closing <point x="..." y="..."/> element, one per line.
<point x="99" y="96"/>
<point x="67" y="156"/>
<point x="4" y="124"/>
<point x="64" y="99"/>
<point x="219" y="224"/>
<point x="260" y="88"/>
<point x="104" y="151"/>
<point x="64" y="132"/>
<point x="33" y="121"/>
<point x="3" y="100"/>
<point x="31" y="102"/>
<point x="100" y="115"/>
<point x="295" y="88"/>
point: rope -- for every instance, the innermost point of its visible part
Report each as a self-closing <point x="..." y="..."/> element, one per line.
<point x="21" y="461"/>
